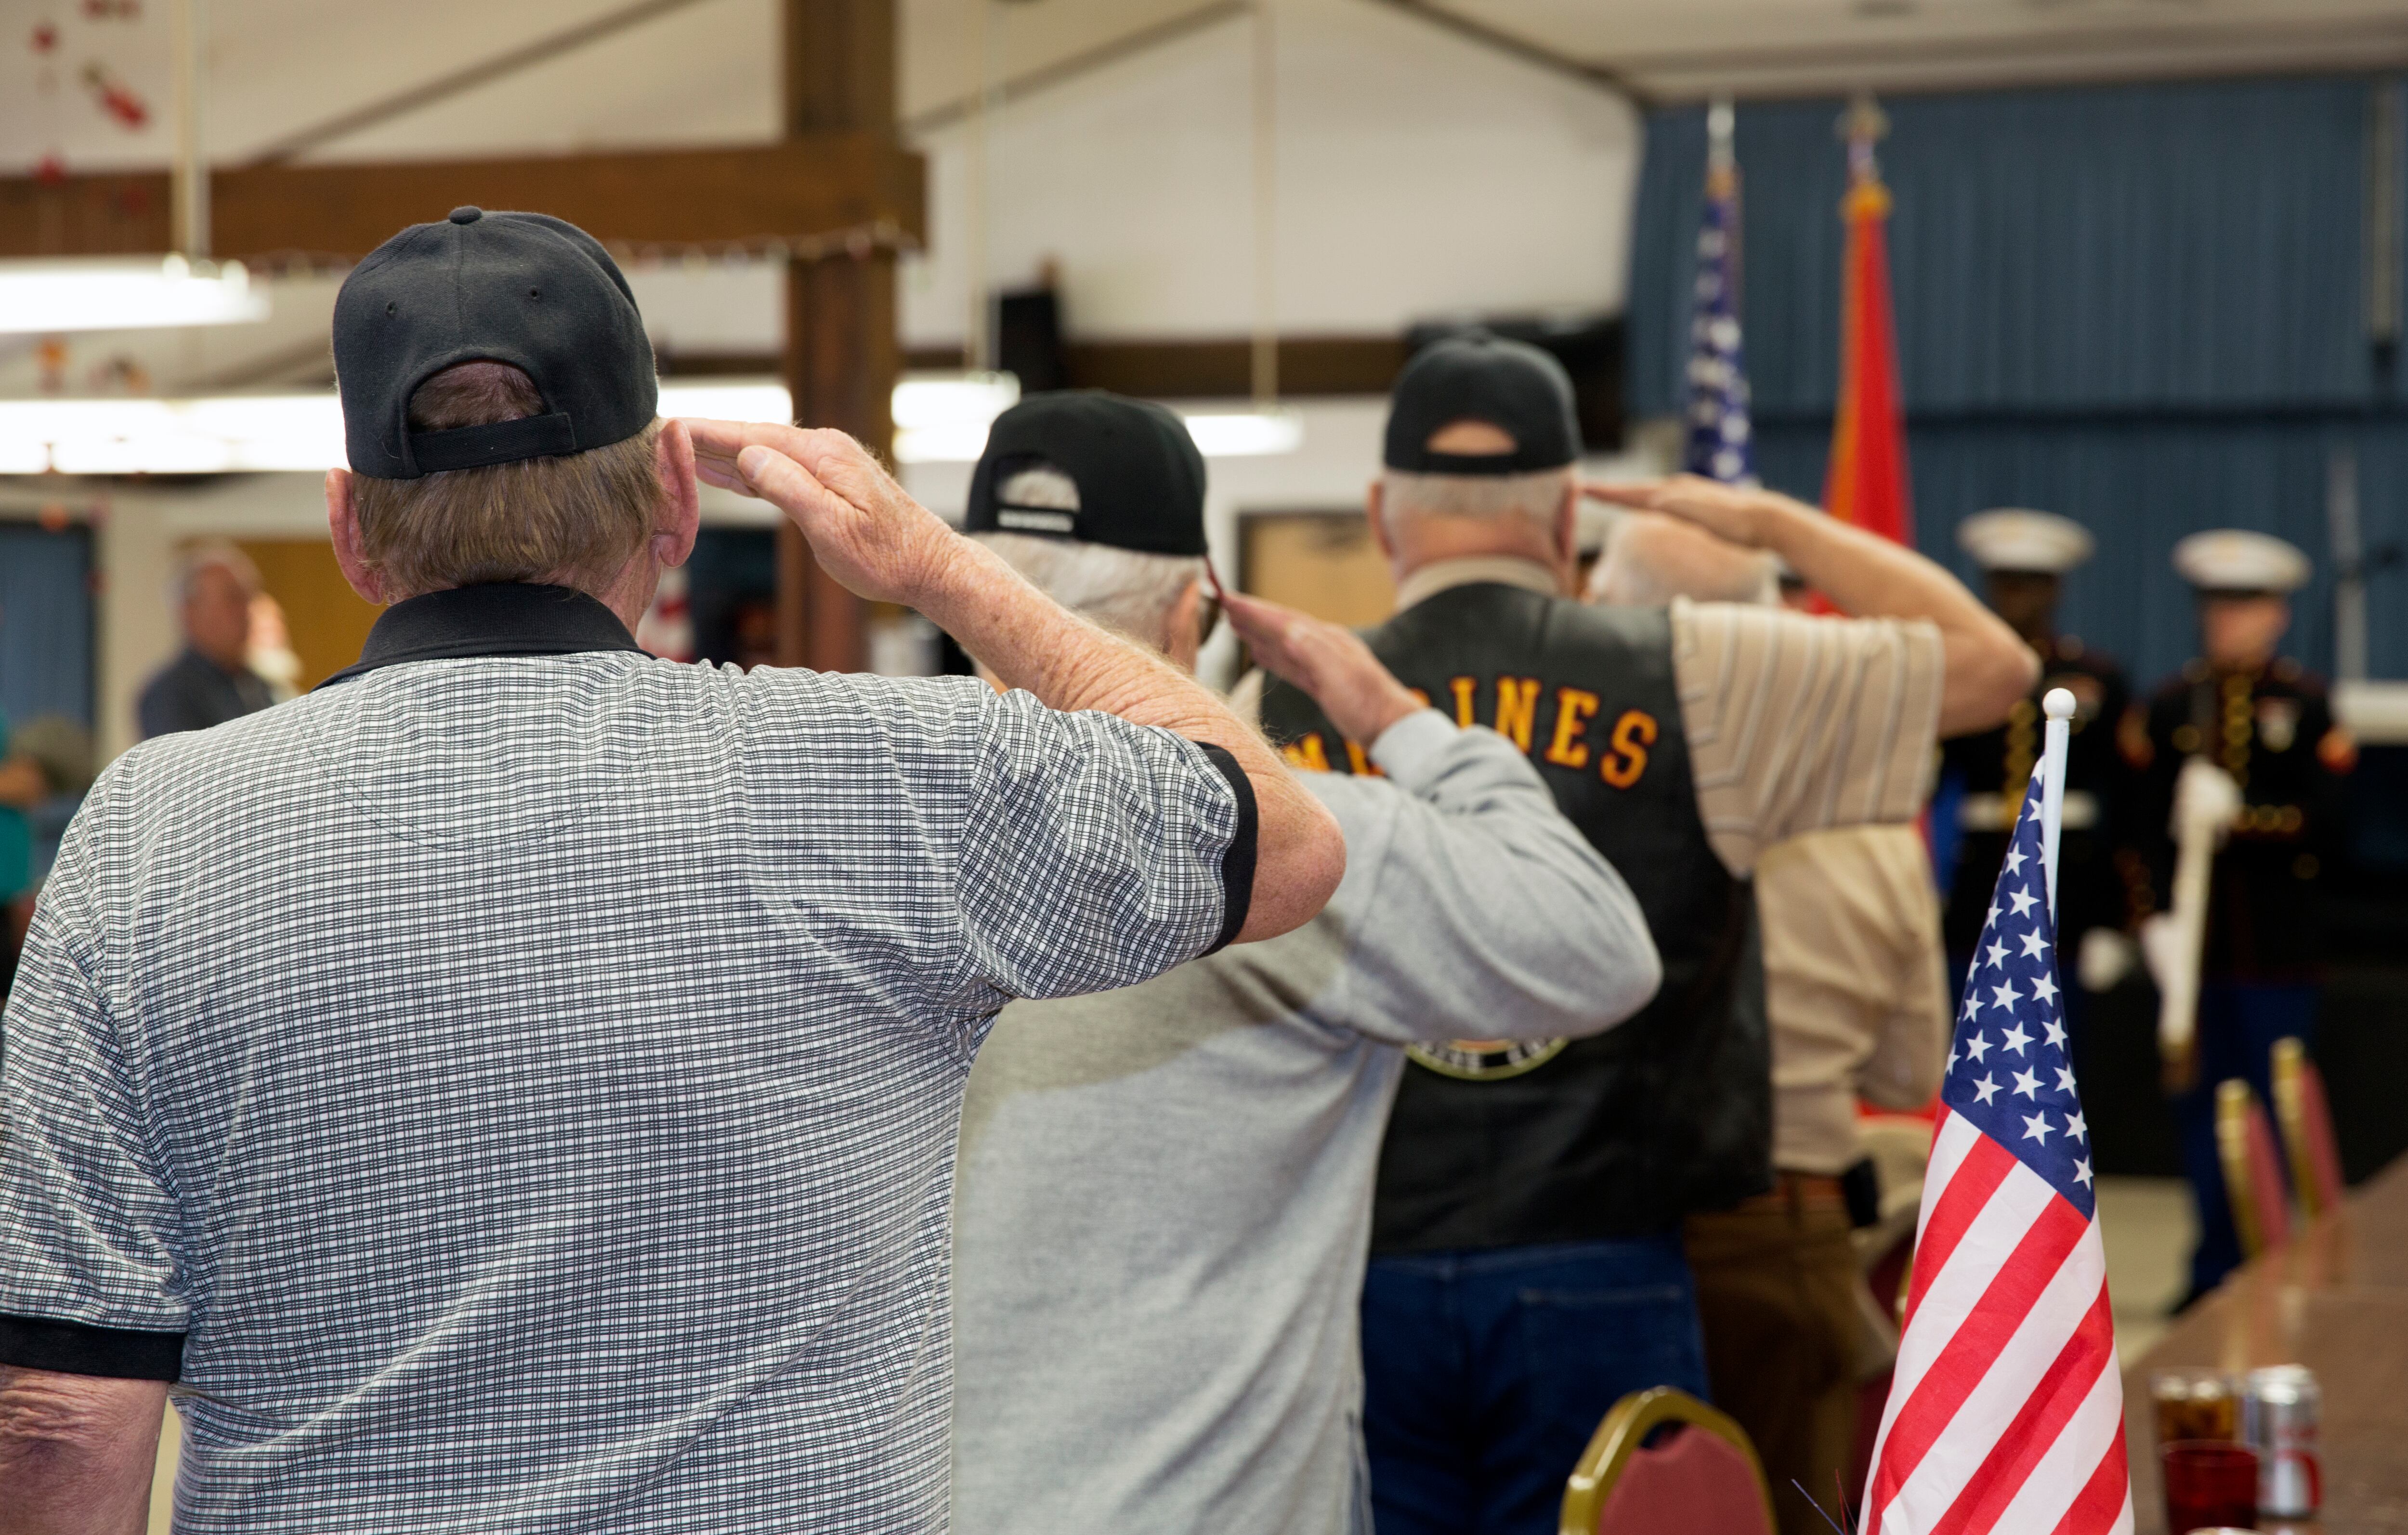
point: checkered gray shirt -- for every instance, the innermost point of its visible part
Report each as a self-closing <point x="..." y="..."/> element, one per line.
<point x="529" y="1085"/>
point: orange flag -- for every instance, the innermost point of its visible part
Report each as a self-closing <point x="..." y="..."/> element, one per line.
<point x="1867" y="485"/>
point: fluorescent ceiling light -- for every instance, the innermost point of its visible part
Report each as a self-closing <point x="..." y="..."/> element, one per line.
<point x="937" y="421"/>
<point x="953" y="399"/>
<point x="249" y="432"/>
<point x="942" y="418"/>
<point x="1247" y="436"/>
<point x="41" y="298"/>
<point x="727" y="402"/>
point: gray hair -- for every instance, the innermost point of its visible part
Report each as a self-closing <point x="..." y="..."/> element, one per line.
<point x="1651" y="558"/>
<point x="1536" y="495"/>
<point x="1122" y="589"/>
<point x="207" y="555"/>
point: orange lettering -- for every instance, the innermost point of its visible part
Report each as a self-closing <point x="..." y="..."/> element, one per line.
<point x="1632" y="735"/>
<point x="1360" y="761"/>
<point x="1572" y="709"/>
<point x="1419" y="696"/>
<point x="1517" y="708"/>
<point x="1462" y="686"/>
<point x="1306" y="753"/>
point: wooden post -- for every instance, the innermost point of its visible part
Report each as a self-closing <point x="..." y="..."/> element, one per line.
<point x="841" y="356"/>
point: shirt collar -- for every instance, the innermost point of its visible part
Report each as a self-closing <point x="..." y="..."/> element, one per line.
<point x="505" y="619"/>
<point x="1507" y="569"/>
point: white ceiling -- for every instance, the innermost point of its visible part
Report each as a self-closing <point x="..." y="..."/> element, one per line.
<point x="1688" y="48"/>
<point x="706" y="72"/>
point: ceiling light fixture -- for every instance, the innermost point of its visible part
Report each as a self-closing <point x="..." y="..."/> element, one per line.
<point x="939" y="420"/>
<point x="50" y="296"/>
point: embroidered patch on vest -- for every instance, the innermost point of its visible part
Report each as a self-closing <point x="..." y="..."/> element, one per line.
<point x="1486" y="1060"/>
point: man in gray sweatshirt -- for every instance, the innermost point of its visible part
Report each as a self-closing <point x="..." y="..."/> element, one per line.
<point x="1163" y="1195"/>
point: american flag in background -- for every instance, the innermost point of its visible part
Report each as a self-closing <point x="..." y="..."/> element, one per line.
<point x="1720" y="445"/>
<point x="2006" y="1412"/>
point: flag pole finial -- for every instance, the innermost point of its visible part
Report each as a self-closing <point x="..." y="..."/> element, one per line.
<point x="1722" y="161"/>
<point x="1864" y="124"/>
<point x="2059" y="706"/>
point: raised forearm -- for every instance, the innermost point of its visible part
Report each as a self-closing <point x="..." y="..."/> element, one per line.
<point x="1988" y="666"/>
<point x="1029" y="641"/>
<point x="77" y="1453"/>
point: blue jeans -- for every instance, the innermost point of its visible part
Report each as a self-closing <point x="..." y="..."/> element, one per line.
<point x="2239" y="1022"/>
<point x="1485" y="1373"/>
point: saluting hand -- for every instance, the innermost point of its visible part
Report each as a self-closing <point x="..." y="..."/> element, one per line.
<point x="865" y="530"/>
<point x="1728" y="511"/>
<point x="1359" y="695"/>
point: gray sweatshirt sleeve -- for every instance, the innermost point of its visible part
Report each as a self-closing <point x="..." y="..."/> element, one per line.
<point x="1488" y="916"/>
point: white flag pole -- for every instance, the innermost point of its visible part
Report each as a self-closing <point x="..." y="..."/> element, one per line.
<point x="2058" y="707"/>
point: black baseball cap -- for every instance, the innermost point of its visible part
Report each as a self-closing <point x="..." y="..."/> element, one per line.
<point x="1093" y="465"/>
<point x="1510" y="385"/>
<point x="525" y="289"/>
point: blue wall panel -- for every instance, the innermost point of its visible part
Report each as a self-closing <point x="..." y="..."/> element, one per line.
<point x="2194" y="246"/>
<point x="46" y="622"/>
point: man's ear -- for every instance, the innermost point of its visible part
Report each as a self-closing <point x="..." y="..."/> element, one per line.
<point x="681" y="497"/>
<point x="1375" y="513"/>
<point x="1183" y="633"/>
<point x="1568" y="538"/>
<point x="343" y="523"/>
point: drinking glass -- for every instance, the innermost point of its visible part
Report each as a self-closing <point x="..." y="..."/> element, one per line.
<point x="2210" y="1484"/>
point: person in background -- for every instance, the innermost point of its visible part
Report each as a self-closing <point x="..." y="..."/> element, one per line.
<point x="1527" y="1263"/>
<point x="210" y="680"/>
<point x="2265" y="724"/>
<point x="1164" y="1193"/>
<point x="2023" y="556"/>
<point x="1855" y="986"/>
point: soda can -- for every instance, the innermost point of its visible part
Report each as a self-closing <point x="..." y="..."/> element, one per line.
<point x="2280" y="1410"/>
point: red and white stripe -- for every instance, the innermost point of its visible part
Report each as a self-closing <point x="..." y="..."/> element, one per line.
<point x="2006" y="1412"/>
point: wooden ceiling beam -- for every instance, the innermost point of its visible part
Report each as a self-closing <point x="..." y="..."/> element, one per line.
<point x="855" y="186"/>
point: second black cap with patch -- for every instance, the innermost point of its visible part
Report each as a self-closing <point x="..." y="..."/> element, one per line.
<point x="1092" y="466"/>
<point x="1510" y="386"/>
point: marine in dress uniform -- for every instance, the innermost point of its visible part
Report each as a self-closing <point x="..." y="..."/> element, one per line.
<point x="2025" y="555"/>
<point x="2266" y="721"/>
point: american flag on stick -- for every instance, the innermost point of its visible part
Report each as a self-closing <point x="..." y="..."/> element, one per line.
<point x="2006" y="1412"/>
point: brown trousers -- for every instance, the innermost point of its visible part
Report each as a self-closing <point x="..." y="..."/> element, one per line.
<point x="1776" y="1280"/>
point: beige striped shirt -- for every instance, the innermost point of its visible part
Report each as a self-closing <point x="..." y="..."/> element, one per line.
<point x="1794" y="722"/>
<point x="1797" y="722"/>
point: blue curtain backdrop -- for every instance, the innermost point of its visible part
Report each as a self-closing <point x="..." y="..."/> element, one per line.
<point x="46" y="618"/>
<point x="2144" y="307"/>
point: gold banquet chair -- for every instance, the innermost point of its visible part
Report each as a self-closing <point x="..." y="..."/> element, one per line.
<point x="2305" y="1115"/>
<point x="2253" y="1170"/>
<point x="1700" y="1476"/>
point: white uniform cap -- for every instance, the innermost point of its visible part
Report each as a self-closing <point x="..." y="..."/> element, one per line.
<point x="2014" y="539"/>
<point x="2229" y="559"/>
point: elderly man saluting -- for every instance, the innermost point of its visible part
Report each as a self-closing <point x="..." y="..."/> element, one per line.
<point x="1527" y="1267"/>
<point x="1164" y="1195"/>
<point x="514" y="1087"/>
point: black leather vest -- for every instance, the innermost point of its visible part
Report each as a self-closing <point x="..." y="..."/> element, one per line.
<point x="1494" y="1144"/>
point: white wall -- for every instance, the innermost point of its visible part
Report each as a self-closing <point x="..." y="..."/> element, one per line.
<point x="1419" y="175"/>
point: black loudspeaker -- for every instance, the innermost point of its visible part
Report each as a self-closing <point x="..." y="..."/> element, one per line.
<point x="1028" y="338"/>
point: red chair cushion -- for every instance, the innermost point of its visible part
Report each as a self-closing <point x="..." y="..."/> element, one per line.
<point x="1687" y="1480"/>
<point x="2267" y="1180"/>
<point x="2324" y="1150"/>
